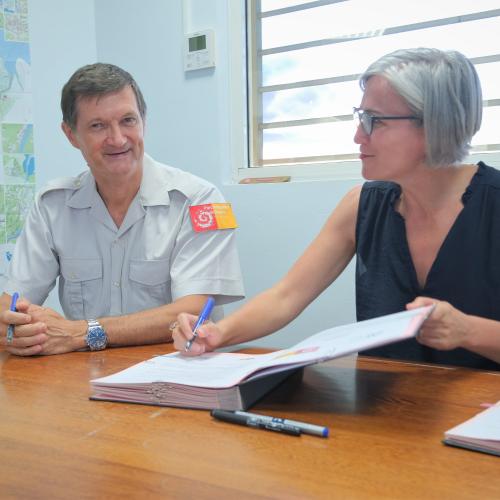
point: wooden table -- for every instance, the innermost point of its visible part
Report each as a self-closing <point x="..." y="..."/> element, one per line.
<point x="386" y="420"/>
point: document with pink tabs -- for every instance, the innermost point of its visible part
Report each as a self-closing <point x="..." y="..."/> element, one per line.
<point x="235" y="381"/>
<point x="480" y="433"/>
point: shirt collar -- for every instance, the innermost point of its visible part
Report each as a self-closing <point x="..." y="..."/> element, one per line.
<point x="85" y="191"/>
<point x="153" y="190"/>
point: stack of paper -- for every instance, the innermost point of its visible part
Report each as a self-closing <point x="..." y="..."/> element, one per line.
<point x="480" y="433"/>
<point x="233" y="381"/>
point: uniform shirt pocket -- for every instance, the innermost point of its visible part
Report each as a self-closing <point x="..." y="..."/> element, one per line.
<point x="149" y="283"/>
<point x="80" y="287"/>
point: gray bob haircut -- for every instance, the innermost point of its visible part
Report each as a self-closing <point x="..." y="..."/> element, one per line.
<point x="443" y="89"/>
<point x="96" y="80"/>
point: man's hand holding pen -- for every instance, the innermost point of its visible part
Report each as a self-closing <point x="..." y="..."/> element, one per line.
<point x="38" y="330"/>
<point x="20" y="331"/>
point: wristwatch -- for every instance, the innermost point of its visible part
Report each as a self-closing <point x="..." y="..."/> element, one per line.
<point x="97" y="340"/>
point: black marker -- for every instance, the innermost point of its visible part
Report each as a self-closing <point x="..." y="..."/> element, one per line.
<point x="256" y="422"/>
<point x="315" y="430"/>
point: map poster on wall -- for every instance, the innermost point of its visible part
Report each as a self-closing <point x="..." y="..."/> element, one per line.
<point x="17" y="160"/>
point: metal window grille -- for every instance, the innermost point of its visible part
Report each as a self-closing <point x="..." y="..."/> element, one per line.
<point x="304" y="60"/>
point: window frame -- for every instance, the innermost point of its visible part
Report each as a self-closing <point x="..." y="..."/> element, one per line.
<point x="244" y="134"/>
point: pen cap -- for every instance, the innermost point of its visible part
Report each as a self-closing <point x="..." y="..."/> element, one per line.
<point x="230" y="416"/>
<point x="207" y="308"/>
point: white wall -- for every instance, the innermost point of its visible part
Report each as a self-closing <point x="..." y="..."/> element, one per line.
<point x="186" y="112"/>
<point x="188" y="126"/>
<point x="277" y="221"/>
<point x="62" y="38"/>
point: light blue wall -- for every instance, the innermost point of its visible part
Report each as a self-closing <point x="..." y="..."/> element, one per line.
<point x="62" y="38"/>
<point x="186" y="115"/>
<point x="187" y="126"/>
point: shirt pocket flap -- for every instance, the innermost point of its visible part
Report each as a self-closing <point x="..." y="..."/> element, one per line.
<point x="81" y="269"/>
<point x="150" y="272"/>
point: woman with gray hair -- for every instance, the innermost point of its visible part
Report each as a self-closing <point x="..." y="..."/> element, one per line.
<point x="426" y="230"/>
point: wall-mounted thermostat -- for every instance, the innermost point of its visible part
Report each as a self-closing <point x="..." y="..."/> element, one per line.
<point x="199" y="50"/>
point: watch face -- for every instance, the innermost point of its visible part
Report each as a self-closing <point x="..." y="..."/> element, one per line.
<point x="96" y="338"/>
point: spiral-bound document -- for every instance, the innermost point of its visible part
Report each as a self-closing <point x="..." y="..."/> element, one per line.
<point x="235" y="381"/>
<point x="479" y="433"/>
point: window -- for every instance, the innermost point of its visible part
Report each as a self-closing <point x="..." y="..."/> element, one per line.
<point x="304" y="60"/>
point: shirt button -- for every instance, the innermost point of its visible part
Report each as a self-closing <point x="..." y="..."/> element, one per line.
<point x="115" y="283"/>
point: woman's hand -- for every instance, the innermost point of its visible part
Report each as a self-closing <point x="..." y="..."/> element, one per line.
<point x="446" y="328"/>
<point x="209" y="335"/>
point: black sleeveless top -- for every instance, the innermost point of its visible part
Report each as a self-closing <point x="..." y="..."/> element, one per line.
<point x="466" y="272"/>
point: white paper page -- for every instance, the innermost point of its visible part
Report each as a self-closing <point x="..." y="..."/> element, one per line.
<point x="485" y="425"/>
<point x="347" y="339"/>
<point x="208" y="370"/>
<point x="219" y="370"/>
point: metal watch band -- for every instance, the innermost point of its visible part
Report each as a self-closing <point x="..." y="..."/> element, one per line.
<point x="97" y="339"/>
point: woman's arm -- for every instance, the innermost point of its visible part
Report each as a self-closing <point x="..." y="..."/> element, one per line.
<point x="322" y="262"/>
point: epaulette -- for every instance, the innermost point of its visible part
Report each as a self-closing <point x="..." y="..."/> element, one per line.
<point x="65" y="183"/>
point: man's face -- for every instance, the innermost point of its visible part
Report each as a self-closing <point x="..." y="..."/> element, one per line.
<point x="110" y="134"/>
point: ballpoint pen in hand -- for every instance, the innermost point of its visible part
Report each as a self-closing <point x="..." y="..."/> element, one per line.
<point x="10" y="328"/>
<point x="204" y="315"/>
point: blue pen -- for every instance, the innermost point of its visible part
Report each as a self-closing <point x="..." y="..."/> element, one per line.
<point x="10" y="328"/>
<point x="204" y="315"/>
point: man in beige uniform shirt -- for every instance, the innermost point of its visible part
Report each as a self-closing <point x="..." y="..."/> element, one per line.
<point x="119" y="237"/>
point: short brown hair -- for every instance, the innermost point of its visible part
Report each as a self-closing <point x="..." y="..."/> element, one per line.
<point x="96" y="80"/>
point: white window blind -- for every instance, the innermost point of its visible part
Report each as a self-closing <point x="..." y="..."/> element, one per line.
<point x="304" y="60"/>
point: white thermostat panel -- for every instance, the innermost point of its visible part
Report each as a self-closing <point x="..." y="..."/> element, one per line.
<point x="199" y="50"/>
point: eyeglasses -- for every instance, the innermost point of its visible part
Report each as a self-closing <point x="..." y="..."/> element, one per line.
<point x="367" y="120"/>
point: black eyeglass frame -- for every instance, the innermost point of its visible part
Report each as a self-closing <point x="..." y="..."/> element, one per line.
<point x="360" y="115"/>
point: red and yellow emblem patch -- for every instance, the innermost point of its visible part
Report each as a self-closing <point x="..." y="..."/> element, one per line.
<point x="212" y="216"/>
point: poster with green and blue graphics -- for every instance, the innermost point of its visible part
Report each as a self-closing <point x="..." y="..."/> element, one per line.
<point x="17" y="159"/>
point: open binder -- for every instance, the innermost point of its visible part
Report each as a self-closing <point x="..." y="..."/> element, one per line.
<point x="235" y="381"/>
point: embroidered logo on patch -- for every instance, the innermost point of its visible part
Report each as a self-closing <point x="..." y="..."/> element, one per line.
<point x="212" y="216"/>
